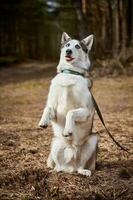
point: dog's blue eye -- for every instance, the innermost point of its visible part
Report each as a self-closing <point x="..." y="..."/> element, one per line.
<point x="77" y="46"/>
<point x="68" y="44"/>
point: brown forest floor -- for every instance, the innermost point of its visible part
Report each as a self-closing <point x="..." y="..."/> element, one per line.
<point x="24" y="148"/>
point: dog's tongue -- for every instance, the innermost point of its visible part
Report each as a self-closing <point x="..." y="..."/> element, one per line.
<point x="69" y="58"/>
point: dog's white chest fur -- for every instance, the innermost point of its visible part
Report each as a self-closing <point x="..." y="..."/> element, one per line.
<point x="72" y="92"/>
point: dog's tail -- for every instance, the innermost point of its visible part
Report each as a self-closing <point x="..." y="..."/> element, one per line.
<point x="102" y="120"/>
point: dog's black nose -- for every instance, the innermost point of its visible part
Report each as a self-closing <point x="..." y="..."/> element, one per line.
<point x="68" y="51"/>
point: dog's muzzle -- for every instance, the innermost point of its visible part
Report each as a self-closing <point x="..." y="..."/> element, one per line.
<point x="69" y="55"/>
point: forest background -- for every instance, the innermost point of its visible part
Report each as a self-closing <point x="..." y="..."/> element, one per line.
<point x="32" y="30"/>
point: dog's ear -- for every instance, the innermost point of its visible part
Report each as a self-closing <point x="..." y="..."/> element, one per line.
<point x="88" y="41"/>
<point x="65" y="37"/>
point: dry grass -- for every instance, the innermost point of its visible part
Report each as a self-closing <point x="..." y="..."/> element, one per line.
<point x="24" y="148"/>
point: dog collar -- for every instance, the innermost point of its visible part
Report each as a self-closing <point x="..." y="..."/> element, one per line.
<point x="69" y="71"/>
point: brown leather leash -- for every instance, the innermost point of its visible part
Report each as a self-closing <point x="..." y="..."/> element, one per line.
<point x="102" y="120"/>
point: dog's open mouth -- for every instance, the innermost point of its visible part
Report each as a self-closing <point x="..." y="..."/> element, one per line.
<point x="68" y="58"/>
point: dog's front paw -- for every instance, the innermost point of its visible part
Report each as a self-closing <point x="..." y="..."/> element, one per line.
<point x="67" y="133"/>
<point x="43" y="124"/>
<point x="84" y="172"/>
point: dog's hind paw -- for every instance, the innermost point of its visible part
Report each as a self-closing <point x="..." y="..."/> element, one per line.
<point x="58" y="169"/>
<point x="84" y="172"/>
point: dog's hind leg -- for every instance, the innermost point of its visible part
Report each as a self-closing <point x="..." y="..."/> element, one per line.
<point x="88" y="151"/>
<point x="91" y="164"/>
<point x="50" y="161"/>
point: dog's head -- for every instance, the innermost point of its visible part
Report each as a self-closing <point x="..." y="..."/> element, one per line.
<point x="74" y="53"/>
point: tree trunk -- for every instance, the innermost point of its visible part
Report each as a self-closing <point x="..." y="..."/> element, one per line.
<point x="110" y="26"/>
<point x="115" y="28"/>
<point x="130" y="22"/>
<point x="81" y="19"/>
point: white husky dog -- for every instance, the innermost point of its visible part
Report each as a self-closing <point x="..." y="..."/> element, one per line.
<point x="70" y="110"/>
